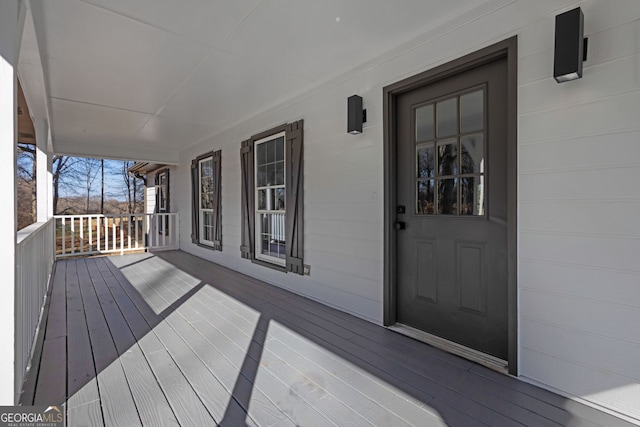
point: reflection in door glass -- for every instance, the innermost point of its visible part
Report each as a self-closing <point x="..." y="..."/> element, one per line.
<point x="450" y="160"/>
<point x="424" y="123"/>
<point x="447" y="117"/>
<point x="472" y="195"/>
<point x="448" y="196"/>
<point x="425" y="203"/>
<point x="448" y="157"/>
<point x="426" y="162"/>
<point x="472" y="153"/>
<point x="472" y="111"/>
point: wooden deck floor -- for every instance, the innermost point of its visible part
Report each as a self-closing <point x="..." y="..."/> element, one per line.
<point x="170" y="339"/>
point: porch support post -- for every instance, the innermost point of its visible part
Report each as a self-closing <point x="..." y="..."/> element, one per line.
<point x="44" y="177"/>
<point x="12" y="14"/>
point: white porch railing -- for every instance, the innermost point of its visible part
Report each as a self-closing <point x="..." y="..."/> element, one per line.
<point x="34" y="259"/>
<point x="79" y="235"/>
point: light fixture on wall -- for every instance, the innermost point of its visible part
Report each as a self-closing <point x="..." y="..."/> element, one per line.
<point x="570" y="46"/>
<point x="355" y="115"/>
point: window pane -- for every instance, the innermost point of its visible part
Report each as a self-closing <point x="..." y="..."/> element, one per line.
<point x="272" y="234"/>
<point x="261" y="153"/>
<point x="280" y="148"/>
<point x="448" y="157"/>
<point x="262" y="199"/>
<point x="271" y="150"/>
<point x="206" y="184"/>
<point x="447" y="116"/>
<point x="426" y="162"/>
<point x="280" y="199"/>
<point x="472" y="153"/>
<point x="271" y="174"/>
<point x="472" y="195"/>
<point x="207" y="231"/>
<point x="472" y="111"/>
<point x="424" y="199"/>
<point x="261" y="179"/>
<point x="279" y="179"/>
<point x="265" y="244"/>
<point x="448" y="197"/>
<point x="424" y="123"/>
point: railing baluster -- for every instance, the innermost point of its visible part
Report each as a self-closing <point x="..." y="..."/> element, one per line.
<point x="81" y="234"/>
<point x="73" y="234"/>
<point x="98" y="233"/>
<point x="121" y="236"/>
<point x="136" y="225"/>
<point x="90" y="225"/>
<point x="114" y="245"/>
<point x="64" y="236"/>
<point x="145" y="234"/>
<point x="164" y="229"/>
<point x="106" y="234"/>
<point x="129" y="230"/>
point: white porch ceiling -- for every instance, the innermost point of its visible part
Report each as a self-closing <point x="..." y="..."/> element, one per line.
<point x="144" y="78"/>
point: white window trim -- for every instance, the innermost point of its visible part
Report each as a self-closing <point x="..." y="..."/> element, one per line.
<point x="258" y="225"/>
<point x="202" y="211"/>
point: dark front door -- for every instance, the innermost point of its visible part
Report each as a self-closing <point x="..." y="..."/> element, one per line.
<point x="452" y="187"/>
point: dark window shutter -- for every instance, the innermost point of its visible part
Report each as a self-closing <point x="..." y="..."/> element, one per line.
<point x="248" y="188"/>
<point x="217" y="201"/>
<point x="157" y="183"/>
<point x="195" y="214"/>
<point x="295" y="199"/>
<point x="167" y="193"/>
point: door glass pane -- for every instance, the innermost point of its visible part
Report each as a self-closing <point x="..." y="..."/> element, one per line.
<point x="448" y="157"/>
<point x="425" y="161"/>
<point x="472" y="111"/>
<point x="424" y="198"/>
<point x="424" y="123"/>
<point x="448" y="196"/>
<point x="447" y="117"/>
<point x="472" y="195"/>
<point x="472" y="153"/>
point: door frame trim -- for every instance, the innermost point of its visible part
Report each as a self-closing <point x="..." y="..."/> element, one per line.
<point x="505" y="49"/>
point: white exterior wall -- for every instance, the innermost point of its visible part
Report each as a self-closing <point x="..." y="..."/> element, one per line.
<point x="578" y="232"/>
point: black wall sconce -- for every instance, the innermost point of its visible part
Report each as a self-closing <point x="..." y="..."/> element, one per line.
<point x="355" y="115"/>
<point x="570" y="46"/>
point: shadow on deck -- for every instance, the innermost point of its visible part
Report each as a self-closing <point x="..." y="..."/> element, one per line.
<point x="171" y="339"/>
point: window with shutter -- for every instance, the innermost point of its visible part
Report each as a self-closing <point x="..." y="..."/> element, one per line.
<point x="272" y="198"/>
<point x="206" y="225"/>
<point x="162" y="199"/>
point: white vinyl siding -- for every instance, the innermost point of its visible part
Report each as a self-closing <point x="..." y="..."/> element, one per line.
<point x="578" y="197"/>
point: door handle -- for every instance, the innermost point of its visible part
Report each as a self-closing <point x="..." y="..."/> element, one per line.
<point x="400" y="225"/>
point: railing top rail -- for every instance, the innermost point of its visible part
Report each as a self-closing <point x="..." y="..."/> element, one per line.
<point x="111" y="215"/>
<point x="27" y="233"/>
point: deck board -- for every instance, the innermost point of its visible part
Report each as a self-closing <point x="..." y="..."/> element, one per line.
<point x="118" y="406"/>
<point x="171" y="339"/>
